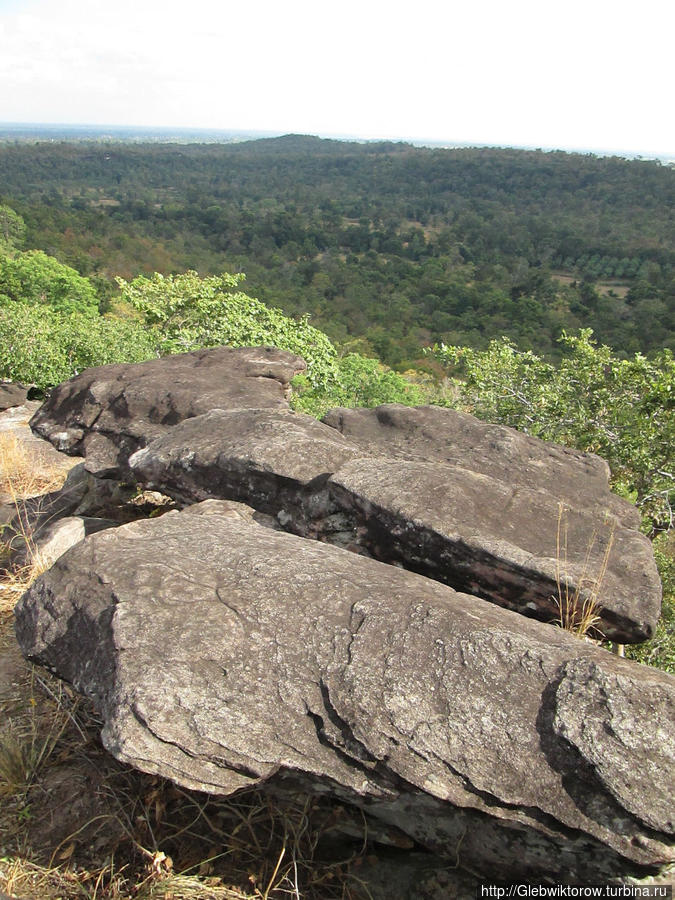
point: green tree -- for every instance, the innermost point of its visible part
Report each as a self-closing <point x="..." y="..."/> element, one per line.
<point x="42" y="346"/>
<point x="12" y="230"/>
<point x="35" y="278"/>
<point x="622" y="409"/>
<point x="185" y="312"/>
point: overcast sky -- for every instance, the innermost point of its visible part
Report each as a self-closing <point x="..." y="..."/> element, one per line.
<point x="578" y="74"/>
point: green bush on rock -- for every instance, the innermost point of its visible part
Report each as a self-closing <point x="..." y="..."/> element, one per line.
<point x="45" y="340"/>
<point x="186" y="312"/>
<point x="358" y="381"/>
<point x="622" y="409"/>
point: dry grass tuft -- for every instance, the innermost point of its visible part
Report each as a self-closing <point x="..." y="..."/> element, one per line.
<point x="21" y="480"/>
<point x="15" y="583"/>
<point x="20" y="476"/>
<point x="579" y="608"/>
<point x="27" y="742"/>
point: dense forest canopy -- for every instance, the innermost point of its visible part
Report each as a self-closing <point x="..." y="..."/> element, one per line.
<point x="387" y="246"/>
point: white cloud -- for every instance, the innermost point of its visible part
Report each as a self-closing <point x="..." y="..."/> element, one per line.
<point x="585" y="74"/>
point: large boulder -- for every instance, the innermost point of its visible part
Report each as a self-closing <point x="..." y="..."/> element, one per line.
<point x="224" y="654"/>
<point x="267" y="458"/>
<point x="525" y="524"/>
<point x="434" y="434"/>
<point x="518" y="547"/>
<point x="106" y="413"/>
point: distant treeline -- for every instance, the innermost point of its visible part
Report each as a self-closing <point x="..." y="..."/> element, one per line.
<point x="389" y="247"/>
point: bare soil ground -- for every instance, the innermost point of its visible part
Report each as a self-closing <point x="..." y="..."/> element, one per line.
<point x="620" y="288"/>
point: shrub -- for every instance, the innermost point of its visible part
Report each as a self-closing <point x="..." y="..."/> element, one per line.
<point x="186" y="312"/>
<point x="358" y="381"/>
<point x="42" y="346"/>
<point x="37" y="279"/>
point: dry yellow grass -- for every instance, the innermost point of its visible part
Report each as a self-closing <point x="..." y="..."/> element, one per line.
<point x="579" y="608"/>
<point x="22" y="479"/>
<point x="21" y="475"/>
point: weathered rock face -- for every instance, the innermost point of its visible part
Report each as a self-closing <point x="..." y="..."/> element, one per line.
<point x="12" y="394"/>
<point x="433" y="434"/>
<point x="266" y="458"/>
<point x="545" y="553"/>
<point x="518" y="547"/>
<point x="105" y="414"/>
<point x="250" y="656"/>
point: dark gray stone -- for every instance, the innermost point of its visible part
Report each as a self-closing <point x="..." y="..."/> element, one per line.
<point x="107" y="413"/>
<point x="518" y="547"/>
<point x="13" y="394"/>
<point x="225" y="655"/>
<point x="266" y="458"/>
<point x="434" y="434"/>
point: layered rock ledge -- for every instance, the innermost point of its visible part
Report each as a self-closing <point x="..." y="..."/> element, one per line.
<point x="545" y="553"/>
<point x="104" y="414"/>
<point x="349" y="608"/>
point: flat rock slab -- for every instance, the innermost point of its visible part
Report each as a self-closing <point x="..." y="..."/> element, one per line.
<point x="510" y="542"/>
<point x="106" y="413"/>
<point x="13" y="394"/>
<point x="266" y="458"/>
<point x="223" y="654"/>
<point x="518" y="547"/>
<point x="434" y="434"/>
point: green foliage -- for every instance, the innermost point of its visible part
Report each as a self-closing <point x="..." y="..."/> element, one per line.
<point x="185" y="312"/>
<point x="621" y="409"/>
<point x="358" y="381"/>
<point x="12" y="230"/>
<point x="400" y="246"/>
<point x="35" y="278"/>
<point x="42" y="346"/>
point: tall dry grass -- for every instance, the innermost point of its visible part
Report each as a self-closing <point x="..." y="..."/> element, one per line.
<point x="579" y="607"/>
<point x="23" y="477"/>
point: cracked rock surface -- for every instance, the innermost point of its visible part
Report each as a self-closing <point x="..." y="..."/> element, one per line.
<point x="507" y="543"/>
<point x="542" y="542"/>
<point x="106" y="413"/>
<point x="447" y="436"/>
<point x="260" y="656"/>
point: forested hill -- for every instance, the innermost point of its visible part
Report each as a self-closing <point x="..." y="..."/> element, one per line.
<point x="386" y="245"/>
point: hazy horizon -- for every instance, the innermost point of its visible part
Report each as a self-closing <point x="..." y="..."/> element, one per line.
<point x="220" y="135"/>
<point x="586" y="77"/>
